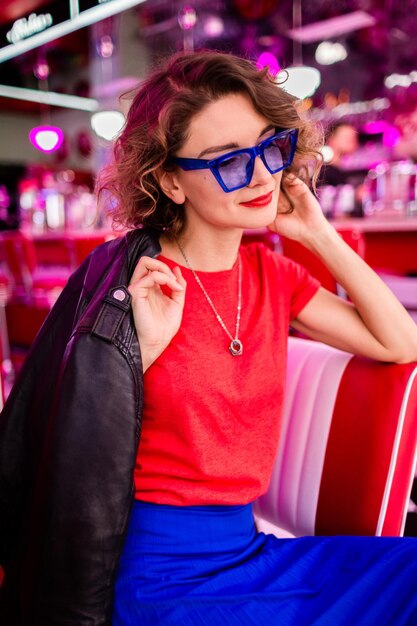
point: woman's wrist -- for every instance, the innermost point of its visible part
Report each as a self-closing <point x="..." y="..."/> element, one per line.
<point x="318" y="241"/>
<point x="149" y="354"/>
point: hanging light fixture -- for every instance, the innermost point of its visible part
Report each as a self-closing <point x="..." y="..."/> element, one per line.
<point x="187" y="19"/>
<point x="107" y="124"/>
<point x="328" y="52"/>
<point x="270" y="60"/>
<point x="302" y="80"/>
<point x="45" y="137"/>
<point x="108" y="121"/>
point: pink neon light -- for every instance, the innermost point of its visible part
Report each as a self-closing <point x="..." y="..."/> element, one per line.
<point x="46" y="138"/>
<point x="390" y="134"/>
<point x="267" y="58"/>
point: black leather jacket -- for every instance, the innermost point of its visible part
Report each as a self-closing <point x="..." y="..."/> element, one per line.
<point x="68" y="441"/>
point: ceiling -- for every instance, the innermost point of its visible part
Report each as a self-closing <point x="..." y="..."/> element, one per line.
<point x="250" y="27"/>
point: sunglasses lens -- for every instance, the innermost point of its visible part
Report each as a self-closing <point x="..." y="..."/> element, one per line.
<point x="234" y="171"/>
<point x="278" y="153"/>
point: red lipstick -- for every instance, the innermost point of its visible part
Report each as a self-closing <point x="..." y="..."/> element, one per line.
<point x="259" y="201"/>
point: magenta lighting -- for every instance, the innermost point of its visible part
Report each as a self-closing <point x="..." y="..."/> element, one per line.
<point x="390" y="134"/>
<point x="269" y="59"/>
<point x="46" y="138"/>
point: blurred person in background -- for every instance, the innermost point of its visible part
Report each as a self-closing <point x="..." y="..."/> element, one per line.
<point x="341" y="142"/>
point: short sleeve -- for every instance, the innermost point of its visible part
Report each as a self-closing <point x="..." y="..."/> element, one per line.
<point x="303" y="287"/>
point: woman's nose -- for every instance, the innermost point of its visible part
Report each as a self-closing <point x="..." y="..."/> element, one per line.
<point x="261" y="174"/>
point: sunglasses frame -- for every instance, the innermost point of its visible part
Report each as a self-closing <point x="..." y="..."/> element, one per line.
<point x="257" y="151"/>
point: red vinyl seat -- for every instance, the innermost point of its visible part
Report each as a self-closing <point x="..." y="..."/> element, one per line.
<point x="347" y="454"/>
<point x="32" y="289"/>
<point x="29" y="280"/>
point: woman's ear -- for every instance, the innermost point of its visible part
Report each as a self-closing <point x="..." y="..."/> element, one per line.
<point x="171" y="187"/>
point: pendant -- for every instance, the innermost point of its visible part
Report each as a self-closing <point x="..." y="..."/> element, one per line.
<point x="236" y="347"/>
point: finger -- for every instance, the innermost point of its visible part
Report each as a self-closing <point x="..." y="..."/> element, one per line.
<point x="294" y="186"/>
<point x="147" y="264"/>
<point x="150" y="280"/>
<point x="179" y="296"/>
<point x="284" y="204"/>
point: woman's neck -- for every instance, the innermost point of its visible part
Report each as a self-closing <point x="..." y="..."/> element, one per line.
<point x="209" y="253"/>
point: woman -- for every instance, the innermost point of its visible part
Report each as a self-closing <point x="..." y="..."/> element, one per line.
<point x="230" y="135"/>
<point x="208" y="145"/>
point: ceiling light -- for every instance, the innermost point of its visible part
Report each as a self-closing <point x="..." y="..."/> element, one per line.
<point x="328" y="53"/>
<point x="187" y="18"/>
<point x="400" y="80"/>
<point x="46" y="138"/>
<point x="213" y="26"/>
<point x="300" y="81"/>
<point x="107" y="124"/>
<point x="327" y="153"/>
<point x="49" y="97"/>
<point x="270" y="60"/>
<point x="332" y="27"/>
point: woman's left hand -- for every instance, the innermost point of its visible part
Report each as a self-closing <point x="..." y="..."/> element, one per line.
<point x="307" y="217"/>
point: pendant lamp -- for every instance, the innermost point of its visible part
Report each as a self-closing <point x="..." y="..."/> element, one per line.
<point x="45" y="137"/>
<point x="299" y="80"/>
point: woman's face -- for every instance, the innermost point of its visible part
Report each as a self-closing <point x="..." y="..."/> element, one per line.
<point x="222" y="126"/>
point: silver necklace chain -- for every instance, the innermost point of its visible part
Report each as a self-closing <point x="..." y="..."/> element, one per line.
<point x="236" y="347"/>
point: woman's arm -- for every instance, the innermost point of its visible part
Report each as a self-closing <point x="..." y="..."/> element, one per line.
<point x="374" y="324"/>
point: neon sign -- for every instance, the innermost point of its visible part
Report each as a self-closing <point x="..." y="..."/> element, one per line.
<point x="59" y="19"/>
<point x="26" y="27"/>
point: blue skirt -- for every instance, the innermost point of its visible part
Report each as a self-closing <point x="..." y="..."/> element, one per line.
<point x="208" y="565"/>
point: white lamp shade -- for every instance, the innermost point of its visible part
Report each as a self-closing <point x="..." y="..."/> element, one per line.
<point x="301" y="81"/>
<point x="107" y="124"/>
<point x="46" y="138"/>
<point x="328" y="53"/>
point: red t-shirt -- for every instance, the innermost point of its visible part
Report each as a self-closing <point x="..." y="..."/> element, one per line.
<point x="211" y="420"/>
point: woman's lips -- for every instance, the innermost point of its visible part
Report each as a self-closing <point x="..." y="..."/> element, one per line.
<point x="259" y="201"/>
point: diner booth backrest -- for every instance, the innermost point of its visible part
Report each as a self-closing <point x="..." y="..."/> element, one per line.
<point x="347" y="453"/>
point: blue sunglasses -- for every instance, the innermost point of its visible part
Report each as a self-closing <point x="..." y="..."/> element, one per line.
<point x="234" y="170"/>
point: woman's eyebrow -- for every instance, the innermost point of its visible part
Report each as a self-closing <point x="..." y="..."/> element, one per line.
<point x="232" y="146"/>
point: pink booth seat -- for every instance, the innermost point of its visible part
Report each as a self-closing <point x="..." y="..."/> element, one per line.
<point x="347" y="455"/>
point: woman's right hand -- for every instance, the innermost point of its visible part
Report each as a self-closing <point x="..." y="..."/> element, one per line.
<point x="157" y="316"/>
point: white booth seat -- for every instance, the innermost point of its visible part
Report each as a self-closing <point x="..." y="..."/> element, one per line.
<point x="347" y="454"/>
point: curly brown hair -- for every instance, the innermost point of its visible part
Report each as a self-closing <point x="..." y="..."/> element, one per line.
<point x="158" y="122"/>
